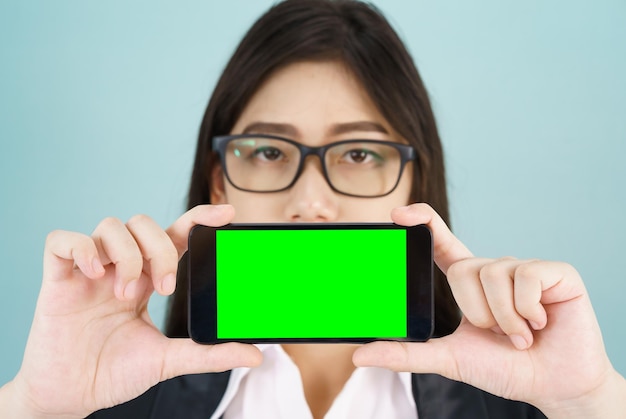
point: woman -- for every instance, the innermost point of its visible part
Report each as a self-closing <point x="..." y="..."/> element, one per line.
<point x="315" y="73"/>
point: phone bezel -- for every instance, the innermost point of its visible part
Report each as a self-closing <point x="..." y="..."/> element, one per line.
<point x="202" y="307"/>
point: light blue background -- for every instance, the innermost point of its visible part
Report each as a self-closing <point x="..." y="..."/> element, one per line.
<point x="100" y="104"/>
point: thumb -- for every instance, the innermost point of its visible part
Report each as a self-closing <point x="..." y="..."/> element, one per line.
<point x="433" y="357"/>
<point x="184" y="356"/>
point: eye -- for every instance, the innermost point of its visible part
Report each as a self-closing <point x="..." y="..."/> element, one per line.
<point x="268" y="154"/>
<point x="361" y="156"/>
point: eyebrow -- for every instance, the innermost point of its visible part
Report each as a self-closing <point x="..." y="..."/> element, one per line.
<point x="291" y="131"/>
<point x="367" y="126"/>
<point x="271" y="128"/>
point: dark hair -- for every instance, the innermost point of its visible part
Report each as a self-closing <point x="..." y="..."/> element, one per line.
<point x="359" y="36"/>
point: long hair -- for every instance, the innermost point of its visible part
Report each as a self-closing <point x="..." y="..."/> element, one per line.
<point x="360" y="37"/>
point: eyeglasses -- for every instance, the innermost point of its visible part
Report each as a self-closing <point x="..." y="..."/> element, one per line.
<point x="266" y="163"/>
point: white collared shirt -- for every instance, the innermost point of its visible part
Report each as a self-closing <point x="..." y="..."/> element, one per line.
<point x="274" y="390"/>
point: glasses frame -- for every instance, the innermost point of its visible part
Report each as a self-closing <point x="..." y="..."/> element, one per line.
<point x="220" y="142"/>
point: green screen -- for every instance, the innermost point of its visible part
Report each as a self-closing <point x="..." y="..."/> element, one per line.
<point x="311" y="284"/>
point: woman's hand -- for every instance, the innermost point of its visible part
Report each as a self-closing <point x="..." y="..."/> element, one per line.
<point x="528" y="332"/>
<point x="92" y="344"/>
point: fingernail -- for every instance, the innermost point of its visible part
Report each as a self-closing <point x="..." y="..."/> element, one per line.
<point x="130" y="291"/>
<point x="534" y="325"/>
<point x="97" y="266"/>
<point x="119" y="289"/>
<point x="497" y="330"/>
<point x="168" y="284"/>
<point x="519" y="342"/>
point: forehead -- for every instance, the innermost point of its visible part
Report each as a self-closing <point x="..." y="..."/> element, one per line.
<point x="313" y="96"/>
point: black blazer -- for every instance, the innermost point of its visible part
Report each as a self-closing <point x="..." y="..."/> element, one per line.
<point x="197" y="397"/>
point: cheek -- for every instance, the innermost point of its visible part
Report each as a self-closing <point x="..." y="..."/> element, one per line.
<point x="253" y="207"/>
<point x="376" y="210"/>
<point x="367" y="211"/>
<point x="379" y="209"/>
<point x="370" y="210"/>
<point x="402" y="193"/>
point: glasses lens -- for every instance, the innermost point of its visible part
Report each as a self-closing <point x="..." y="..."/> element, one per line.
<point x="363" y="168"/>
<point x="261" y="164"/>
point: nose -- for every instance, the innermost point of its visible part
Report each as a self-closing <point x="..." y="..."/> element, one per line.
<point x="311" y="199"/>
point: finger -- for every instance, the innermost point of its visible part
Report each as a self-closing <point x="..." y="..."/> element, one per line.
<point x="464" y="280"/>
<point x="187" y="357"/>
<point x="528" y="293"/>
<point x="65" y="249"/>
<point x="116" y="243"/>
<point x="433" y="357"/>
<point x="497" y="282"/>
<point x="210" y="215"/>
<point x="158" y="250"/>
<point x="559" y="282"/>
<point x="448" y="249"/>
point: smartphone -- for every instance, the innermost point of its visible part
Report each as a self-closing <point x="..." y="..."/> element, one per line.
<point x="322" y="282"/>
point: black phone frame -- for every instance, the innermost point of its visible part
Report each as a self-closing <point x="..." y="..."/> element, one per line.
<point x="201" y="273"/>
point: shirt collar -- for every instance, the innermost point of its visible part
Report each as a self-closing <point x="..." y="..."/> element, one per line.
<point x="238" y="374"/>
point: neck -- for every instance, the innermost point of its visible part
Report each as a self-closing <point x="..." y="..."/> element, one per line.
<point x="325" y="369"/>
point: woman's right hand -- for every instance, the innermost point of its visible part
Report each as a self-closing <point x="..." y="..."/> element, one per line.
<point x="92" y="344"/>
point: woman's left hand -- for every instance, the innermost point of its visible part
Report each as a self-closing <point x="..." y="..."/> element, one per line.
<point x="528" y="331"/>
